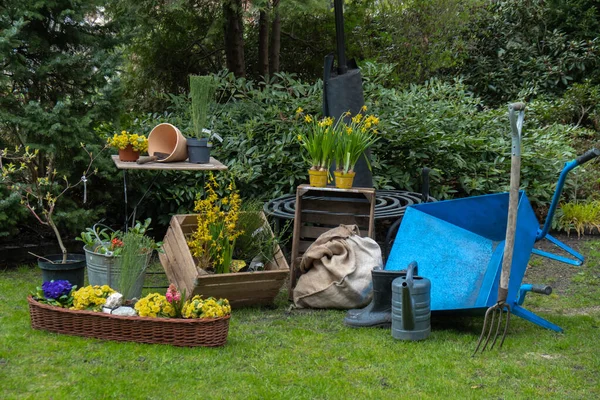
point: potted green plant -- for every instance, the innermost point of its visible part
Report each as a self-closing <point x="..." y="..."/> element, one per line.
<point x="352" y="141"/>
<point x="41" y="194"/>
<point x="202" y="91"/>
<point x="318" y="138"/>
<point x="119" y="259"/>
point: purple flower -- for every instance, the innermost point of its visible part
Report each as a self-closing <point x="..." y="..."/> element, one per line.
<point x="56" y="289"/>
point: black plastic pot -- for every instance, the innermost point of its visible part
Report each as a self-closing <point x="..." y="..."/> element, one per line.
<point x="73" y="270"/>
<point x="198" y="150"/>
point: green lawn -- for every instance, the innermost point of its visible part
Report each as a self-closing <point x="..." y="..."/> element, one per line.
<point x="272" y="353"/>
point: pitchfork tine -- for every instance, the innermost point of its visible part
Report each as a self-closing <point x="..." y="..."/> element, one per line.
<point x="489" y="335"/>
<point x="506" y="326"/>
<point x="497" y="328"/>
<point x="485" y="321"/>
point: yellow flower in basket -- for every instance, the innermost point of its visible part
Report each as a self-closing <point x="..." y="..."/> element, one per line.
<point x="155" y="305"/>
<point x="198" y="307"/>
<point x="91" y="297"/>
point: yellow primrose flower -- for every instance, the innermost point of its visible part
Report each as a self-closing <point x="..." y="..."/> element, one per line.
<point x="299" y="110"/>
<point x="363" y="108"/>
<point x="308" y="119"/>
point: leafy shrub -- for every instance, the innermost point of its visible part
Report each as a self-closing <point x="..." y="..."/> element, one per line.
<point x="523" y="48"/>
<point x="443" y="126"/>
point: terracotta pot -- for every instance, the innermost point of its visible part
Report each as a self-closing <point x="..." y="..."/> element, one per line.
<point x="128" y="154"/>
<point x="342" y="180"/>
<point x="166" y="138"/>
<point x="317" y="178"/>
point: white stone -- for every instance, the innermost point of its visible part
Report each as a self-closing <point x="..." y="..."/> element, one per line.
<point x="114" y="300"/>
<point x="124" y="311"/>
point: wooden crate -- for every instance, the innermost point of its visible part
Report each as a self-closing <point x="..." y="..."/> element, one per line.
<point x="321" y="209"/>
<point x="241" y="289"/>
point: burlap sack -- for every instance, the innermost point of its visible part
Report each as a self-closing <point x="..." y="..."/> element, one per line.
<point x="336" y="270"/>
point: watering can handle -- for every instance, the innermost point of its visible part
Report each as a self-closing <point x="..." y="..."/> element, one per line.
<point x="96" y="230"/>
<point x="587" y="156"/>
<point x="411" y="270"/>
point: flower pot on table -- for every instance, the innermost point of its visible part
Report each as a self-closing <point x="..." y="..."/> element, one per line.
<point x="128" y="154"/>
<point x="241" y="288"/>
<point x="198" y="150"/>
<point x="73" y="270"/>
<point x="317" y="178"/>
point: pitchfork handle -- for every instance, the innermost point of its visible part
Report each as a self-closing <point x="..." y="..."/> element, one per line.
<point x="587" y="156"/>
<point x="517" y="106"/>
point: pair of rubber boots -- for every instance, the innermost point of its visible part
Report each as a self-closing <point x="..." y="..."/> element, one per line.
<point x="379" y="312"/>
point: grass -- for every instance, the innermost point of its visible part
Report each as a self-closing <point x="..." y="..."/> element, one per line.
<point x="273" y="353"/>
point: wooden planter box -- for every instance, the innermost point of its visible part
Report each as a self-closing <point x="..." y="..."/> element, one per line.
<point x="241" y="289"/>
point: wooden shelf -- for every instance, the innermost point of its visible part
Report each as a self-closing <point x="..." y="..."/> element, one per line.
<point x="213" y="165"/>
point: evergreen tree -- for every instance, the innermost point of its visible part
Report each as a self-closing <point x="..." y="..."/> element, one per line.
<point x="58" y="82"/>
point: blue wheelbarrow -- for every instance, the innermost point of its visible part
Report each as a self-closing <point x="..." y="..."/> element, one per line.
<point x="459" y="246"/>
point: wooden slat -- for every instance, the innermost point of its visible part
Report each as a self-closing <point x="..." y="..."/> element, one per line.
<point x="216" y="279"/>
<point x="184" y="256"/>
<point x="334" y="220"/>
<point x="234" y="293"/>
<point x="336" y="207"/>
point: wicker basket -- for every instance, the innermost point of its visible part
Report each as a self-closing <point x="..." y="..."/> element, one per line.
<point x="173" y="331"/>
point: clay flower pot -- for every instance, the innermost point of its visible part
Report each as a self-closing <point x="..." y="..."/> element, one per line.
<point x="128" y="154"/>
<point x="167" y="139"/>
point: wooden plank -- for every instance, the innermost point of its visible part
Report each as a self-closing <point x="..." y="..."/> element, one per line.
<point x="335" y="207"/>
<point x="295" y="241"/>
<point x="213" y="165"/>
<point x="183" y="260"/>
<point x="313" y="232"/>
<point x="234" y="292"/>
<point x="180" y="245"/>
<point x="182" y="277"/>
<point x="215" y="279"/>
<point x="334" y="220"/>
<point x="305" y="188"/>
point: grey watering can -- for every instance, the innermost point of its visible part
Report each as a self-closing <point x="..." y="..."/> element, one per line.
<point x="411" y="311"/>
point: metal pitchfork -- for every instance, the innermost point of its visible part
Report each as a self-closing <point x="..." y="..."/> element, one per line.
<point x="494" y="313"/>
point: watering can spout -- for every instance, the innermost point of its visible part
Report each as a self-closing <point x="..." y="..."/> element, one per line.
<point x="408" y="306"/>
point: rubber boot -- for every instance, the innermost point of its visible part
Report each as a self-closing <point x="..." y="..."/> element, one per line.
<point x="379" y="312"/>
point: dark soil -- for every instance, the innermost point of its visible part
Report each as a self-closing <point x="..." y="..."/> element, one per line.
<point x="545" y="271"/>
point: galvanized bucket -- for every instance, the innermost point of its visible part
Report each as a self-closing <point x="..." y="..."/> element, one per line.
<point x="105" y="270"/>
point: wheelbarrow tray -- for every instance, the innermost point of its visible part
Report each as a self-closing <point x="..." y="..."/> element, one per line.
<point x="458" y="245"/>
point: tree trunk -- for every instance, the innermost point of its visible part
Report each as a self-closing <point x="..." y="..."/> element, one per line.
<point x="234" y="37"/>
<point x="275" y="38"/>
<point x="263" y="44"/>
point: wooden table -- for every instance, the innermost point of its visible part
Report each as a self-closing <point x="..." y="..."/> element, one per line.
<point x="213" y="165"/>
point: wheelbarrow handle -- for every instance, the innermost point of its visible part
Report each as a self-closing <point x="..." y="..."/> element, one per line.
<point x="582" y="159"/>
<point x="587" y="156"/>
